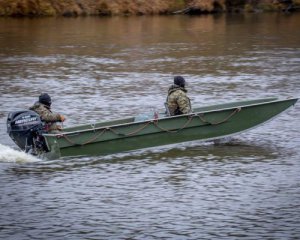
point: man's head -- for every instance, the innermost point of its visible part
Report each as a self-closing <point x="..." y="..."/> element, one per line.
<point x="178" y="80"/>
<point x="44" y="98"/>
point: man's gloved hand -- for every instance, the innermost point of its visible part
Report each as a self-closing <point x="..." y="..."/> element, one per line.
<point x="62" y="118"/>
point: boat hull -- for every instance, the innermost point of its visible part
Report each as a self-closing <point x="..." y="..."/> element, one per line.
<point x="212" y="122"/>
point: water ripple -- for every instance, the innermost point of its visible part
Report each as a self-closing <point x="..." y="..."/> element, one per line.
<point x="245" y="187"/>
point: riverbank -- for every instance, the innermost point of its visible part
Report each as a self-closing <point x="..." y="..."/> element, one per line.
<point x="32" y="8"/>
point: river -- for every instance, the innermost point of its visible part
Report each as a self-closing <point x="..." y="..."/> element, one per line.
<point x="247" y="187"/>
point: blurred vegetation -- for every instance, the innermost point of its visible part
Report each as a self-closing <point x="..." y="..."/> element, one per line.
<point x="138" y="7"/>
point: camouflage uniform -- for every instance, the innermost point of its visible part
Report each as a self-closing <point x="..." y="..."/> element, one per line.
<point x="47" y="116"/>
<point x="178" y="102"/>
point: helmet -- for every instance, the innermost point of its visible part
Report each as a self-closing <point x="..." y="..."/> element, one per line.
<point x="178" y="80"/>
<point x="44" y="98"/>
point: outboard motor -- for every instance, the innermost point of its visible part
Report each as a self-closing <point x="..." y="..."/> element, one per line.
<point x="25" y="129"/>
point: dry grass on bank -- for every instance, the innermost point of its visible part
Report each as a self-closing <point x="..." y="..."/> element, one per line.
<point x="87" y="7"/>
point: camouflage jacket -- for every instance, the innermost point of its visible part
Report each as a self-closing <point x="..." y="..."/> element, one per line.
<point x="47" y="116"/>
<point x="178" y="101"/>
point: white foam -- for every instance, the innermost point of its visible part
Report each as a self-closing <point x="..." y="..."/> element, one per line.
<point x="8" y="154"/>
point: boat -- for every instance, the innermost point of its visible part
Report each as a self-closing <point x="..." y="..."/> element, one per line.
<point x="142" y="131"/>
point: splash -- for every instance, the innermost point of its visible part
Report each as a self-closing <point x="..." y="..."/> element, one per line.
<point x="8" y="154"/>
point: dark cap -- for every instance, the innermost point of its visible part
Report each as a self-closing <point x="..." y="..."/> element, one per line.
<point x="44" y="98"/>
<point x="178" y="80"/>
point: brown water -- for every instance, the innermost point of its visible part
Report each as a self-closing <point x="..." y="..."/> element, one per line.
<point x="103" y="68"/>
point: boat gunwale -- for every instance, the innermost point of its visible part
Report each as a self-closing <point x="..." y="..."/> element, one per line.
<point x="168" y="117"/>
<point x="208" y="139"/>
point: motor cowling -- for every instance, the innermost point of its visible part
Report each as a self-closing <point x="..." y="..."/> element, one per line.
<point x="25" y="128"/>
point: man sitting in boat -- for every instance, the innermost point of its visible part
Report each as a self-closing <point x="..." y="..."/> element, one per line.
<point x="43" y="108"/>
<point x="177" y="100"/>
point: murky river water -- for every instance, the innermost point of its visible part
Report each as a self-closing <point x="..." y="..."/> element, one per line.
<point x="103" y="68"/>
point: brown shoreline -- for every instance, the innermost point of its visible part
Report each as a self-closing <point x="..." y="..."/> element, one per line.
<point x="36" y="8"/>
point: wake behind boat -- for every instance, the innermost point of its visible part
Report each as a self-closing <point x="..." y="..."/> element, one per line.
<point x="144" y="131"/>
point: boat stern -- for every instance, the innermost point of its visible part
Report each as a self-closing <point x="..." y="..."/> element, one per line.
<point x="53" y="146"/>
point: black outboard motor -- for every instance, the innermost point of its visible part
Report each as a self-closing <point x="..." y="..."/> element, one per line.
<point x="25" y="129"/>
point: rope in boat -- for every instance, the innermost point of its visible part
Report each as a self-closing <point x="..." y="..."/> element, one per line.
<point x="131" y="133"/>
<point x="155" y="123"/>
<point x="190" y="118"/>
<point x="201" y="117"/>
<point x="87" y="142"/>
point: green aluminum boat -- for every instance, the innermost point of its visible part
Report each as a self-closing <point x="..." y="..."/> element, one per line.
<point x="156" y="129"/>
